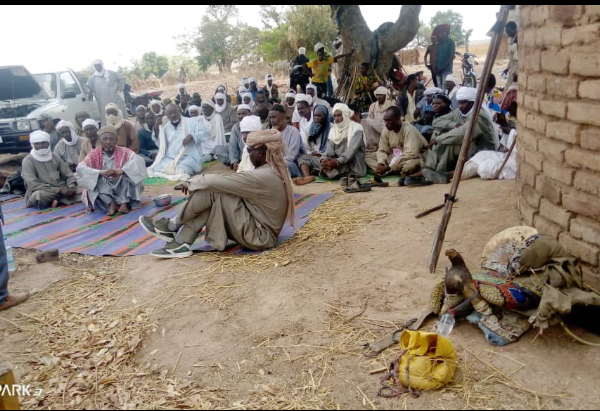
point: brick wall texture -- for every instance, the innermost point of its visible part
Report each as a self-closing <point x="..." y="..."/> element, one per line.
<point x="559" y="126"/>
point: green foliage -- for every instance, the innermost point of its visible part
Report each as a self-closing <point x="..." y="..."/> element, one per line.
<point x="291" y="27"/>
<point x="153" y="64"/>
<point x="455" y="20"/>
<point x="220" y="40"/>
<point x="423" y="37"/>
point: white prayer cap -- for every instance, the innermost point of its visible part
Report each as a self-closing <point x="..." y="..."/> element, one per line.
<point x="252" y="80"/>
<point x="247" y="95"/>
<point x="242" y="90"/>
<point x="289" y="94"/>
<point x="97" y="61"/>
<point x="312" y="86"/>
<point x="194" y="108"/>
<point x="140" y="106"/>
<point x="180" y="86"/>
<point x="304" y="97"/>
<point x="466" y="93"/>
<point x="319" y="46"/>
<point x="302" y="50"/>
<point x="243" y="107"/>
<point x="65" y="123"/>
<point x="208" y="103"/>
<point x="268" y="77"/>
<point x="381" y="91"/>
<point x="452" y="79"/>
<point x="250" y="123"/>
<point x="39" y="136"/>
<point x="220" y="96"/>
<point x="433" y="90"/>
<point x="90" y="122"/>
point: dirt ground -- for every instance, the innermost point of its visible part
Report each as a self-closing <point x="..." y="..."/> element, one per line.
<point x="283" y="330"/>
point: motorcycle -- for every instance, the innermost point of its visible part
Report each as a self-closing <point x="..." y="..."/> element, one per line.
<point x="133" y="100"/>
<point x="468" y="70"/>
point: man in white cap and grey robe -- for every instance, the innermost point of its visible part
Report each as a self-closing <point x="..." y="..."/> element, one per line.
<point x="231" y="153"/>
<point x="106" y="85"/>
<point x="449" y="133"/>
<point x="48" y="179"/>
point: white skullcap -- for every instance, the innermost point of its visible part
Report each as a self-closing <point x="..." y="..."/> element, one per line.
<point x="140" y="106"/>
<point x="268" y="77"/>
<point x="452" y="79"/>
<point x="381" y="91"/>
<point x="304" y="97"/>
<point x="208" y="103"/>
<point x="302" y="50"/>
<point x="97" y="61"/>
<point x="180" y="86"/>
<point x="433" y="90"/>
<point x="289" y="94"/>
<point x="319" y="46"/>
<point x="194" y="108"/>
<point x="466" y="94"/>
<point x="220" y="96"/>
<point x="243" y="107"/>
<point x="39" y="136"/>
<point x="90" y="122"/>
<point x="242" y="90"/>
<point x="247" y="95"/>
<point x="312" y="86"/>
<point x="250" y="123"/>
<point x="252" y="80"/>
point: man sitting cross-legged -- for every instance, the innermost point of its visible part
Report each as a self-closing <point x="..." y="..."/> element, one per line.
<point x="401" y="147"/>
<point x="113" y="176"/>
<point x="48" y="179"/>
<point x="248" y="207"/>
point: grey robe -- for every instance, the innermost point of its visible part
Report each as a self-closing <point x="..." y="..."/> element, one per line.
<point x="351" y="155"/>
<point x="444" y="155"/>
<point x="101" y="191"/>
<point x="248" y="207"/>
<point x="229" y="116"/>
<point x="107" y="91"/>
<point x="232" y="152"/>
<point x="69" y="154"/>
<point x="44" y="181"/>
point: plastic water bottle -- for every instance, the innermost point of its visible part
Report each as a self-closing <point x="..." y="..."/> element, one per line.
<point x="10" y="257"/>
<point x="446" y="325"/>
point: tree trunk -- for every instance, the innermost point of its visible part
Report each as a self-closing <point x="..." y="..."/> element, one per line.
<point x="376" y="48"/>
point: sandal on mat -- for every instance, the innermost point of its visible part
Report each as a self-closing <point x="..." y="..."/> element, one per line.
<point x="378" y="182"/>
<point x="357" y="188"/>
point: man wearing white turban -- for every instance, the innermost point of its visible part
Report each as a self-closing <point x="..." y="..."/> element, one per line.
<point x="345" y="154"/>
<point x="290" y="106"/>
<point x="449" y="133"/>
<point x="249" y="208"/>
<point x="271" y="89"/>
<point x="69" y="147"/>
<point x="253" y="89"/>
<point x="248" y="124"/>
<point x="182" y="99"/>
<point x="226" y="111"/>
<point x="299" y="75"/>
<point x="217" y="133"/>
<point x="126" y="134"/>
<point x="373" y="125"/>
<point x="231" y="154"/>
<point x="311" y="90"/>
<point x="452" y="87"/>
<point x="48" y="179"/>
<point x="106" y="85"/>
<point x="90" y="129"/>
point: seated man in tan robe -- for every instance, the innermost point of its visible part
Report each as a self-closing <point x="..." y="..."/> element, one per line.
<point x="69" y="146"/>
<point x="373" y="125"/>
<point x="401" y="148"/>
<point x="250" y="207"/>
<point x="48" y="179"/>
<point x="126" y="134"/>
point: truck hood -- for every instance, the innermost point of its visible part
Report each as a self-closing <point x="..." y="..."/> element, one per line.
<point x="20" y="94"/>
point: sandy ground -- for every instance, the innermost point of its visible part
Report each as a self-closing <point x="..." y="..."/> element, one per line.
<point x="285" y="336"/>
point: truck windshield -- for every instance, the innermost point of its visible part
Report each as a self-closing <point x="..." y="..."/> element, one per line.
<point x="48" y="83"/>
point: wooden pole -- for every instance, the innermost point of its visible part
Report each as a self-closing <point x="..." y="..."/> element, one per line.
<point x="510" y="150"/>
<point x="438" y="242"/>
<point x="431" y="210"/>
<point x="8" y="401"/>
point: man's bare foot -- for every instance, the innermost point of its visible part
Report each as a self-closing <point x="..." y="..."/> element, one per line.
<point x="89" y="209"/>
<point x="13" y="300"/>
<point x="300" y="181"/>
<point x="54" y="204"/>
<point x="112" y="209"/>
<point x="124" y="209"/>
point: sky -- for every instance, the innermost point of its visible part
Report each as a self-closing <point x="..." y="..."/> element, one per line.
<point x="52" y="42"/>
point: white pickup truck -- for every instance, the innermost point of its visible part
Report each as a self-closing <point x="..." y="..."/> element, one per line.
<point x="25" y="97"/>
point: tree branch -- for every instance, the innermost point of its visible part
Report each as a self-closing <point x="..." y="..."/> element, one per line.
<point x="404" y="30"/>
<point x="351" y="23"/>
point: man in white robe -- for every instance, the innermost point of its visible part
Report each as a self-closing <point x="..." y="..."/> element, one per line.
<point x="180" y="146"/>
<point x="217" y="130"/>
<point x="105" y="85"/>
<point x="112" y="176"/>
<point x="69" y="147"/>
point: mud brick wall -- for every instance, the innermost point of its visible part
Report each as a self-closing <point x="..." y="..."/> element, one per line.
<point x="558" y="183"/>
